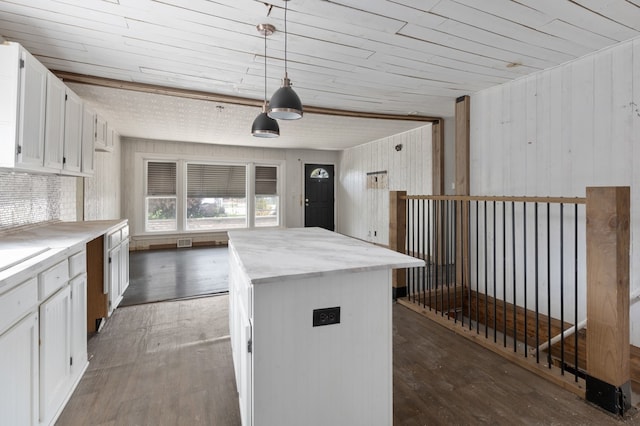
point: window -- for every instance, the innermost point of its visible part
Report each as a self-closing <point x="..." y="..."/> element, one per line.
<point x="319" y="173"/>
<point x="216" y="197"/>
<point x="191" y="195"/>
<point x="267" y="199"/>
<point x="160" y="199"/>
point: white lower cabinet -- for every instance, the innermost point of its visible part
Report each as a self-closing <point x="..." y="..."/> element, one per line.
<point x="19" y="372"/>
<point x="114" y="278"/>
<point x="117" y="257"/>
<point x="79" y="361"/>
<point x="43" y="342"/>
<point x="55" y="353"/>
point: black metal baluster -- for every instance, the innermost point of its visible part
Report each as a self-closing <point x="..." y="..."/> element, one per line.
<point x="575" y="295"/>
<point x="407" y="239"/>
<point x="468" y="263"/>
<point x="448" y="251"/>
<point x="513" y="251"/>
<point x="549" y="283"/>
<point x="561" y="289"/>
<point x="486" y="277"/>
<point x="495" y="298"/>
<point x="455" y="260"/>
<point x="437" y="232"/>
<point x="477" y="268"/>
<point x="429" y="242"/>
<point x="526" y="272"/>
<point x="537" y="283"/>
<point x="424" y="255"/>
<point x="504" y="274"/>
<point x="445" y="252"/>
<point x="419" y="251"/>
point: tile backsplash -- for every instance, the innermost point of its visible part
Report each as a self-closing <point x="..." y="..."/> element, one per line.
<point x="30" y="198"/>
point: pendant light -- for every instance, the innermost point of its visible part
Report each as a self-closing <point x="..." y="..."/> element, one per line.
<point x="285" y="103"/>
<point x="265" y="126"/>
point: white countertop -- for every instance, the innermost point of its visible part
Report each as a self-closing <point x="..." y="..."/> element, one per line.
<point x="29" y="250"/>
<point x="271" y="255"/>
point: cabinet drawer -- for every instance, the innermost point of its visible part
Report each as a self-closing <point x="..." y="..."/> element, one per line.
<point x="125" y="232"/>
<point x="78" y="263"/>
<point x="114" y="238"/>
<point x="53" y="278"/>
<point x="17" y="303"/>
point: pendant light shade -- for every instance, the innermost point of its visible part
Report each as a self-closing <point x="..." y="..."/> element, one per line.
<point x="285" y="103"/>
<point x="265" y="126"/>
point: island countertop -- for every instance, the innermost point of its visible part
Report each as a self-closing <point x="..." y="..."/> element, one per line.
<point x="273" y="255"/>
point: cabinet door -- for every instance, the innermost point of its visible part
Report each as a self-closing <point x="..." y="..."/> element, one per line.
<point x="245" y="369"/>
<point x="19" y="373"/>
<point x="78" y="324"/>
<point x="72" y="132"/>
<point x="33" y="95"/>
<point x="54" y="123"/>
<point x="124" y="267"/>
<point x="88" y="139"/>
<point x="114" y="278"/>
<point x="101" y="134"/>
<point x="55" y="357"/>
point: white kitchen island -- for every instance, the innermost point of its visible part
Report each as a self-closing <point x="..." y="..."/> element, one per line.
<point x="311" y="330"/>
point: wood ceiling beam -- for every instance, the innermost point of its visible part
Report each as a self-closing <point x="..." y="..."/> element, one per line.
<point x="70" y="77"/>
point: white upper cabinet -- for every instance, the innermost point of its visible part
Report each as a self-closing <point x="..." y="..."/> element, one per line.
<point x="23" y="84"/>
<point x="88" y="139"/>
<point x="54" y="124"/>
<point x="72" y="162"/>
<point x="41" y="119"/>
<point x="102" y="135"/>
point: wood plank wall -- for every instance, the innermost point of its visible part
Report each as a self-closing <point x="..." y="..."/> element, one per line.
<point x="103" y="191"/>
<point x="558" y="131"/>
<point x="364" y="213"/>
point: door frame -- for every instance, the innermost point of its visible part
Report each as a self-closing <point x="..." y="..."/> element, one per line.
<point x="303" y="166"/>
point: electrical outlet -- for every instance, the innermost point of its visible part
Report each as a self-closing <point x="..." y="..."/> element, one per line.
<point x="326" y="316"/>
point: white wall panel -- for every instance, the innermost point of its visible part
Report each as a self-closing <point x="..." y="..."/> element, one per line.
<point x="102" y="192"/>
<point x="364" y="213"/>
<point x="558" y="131"/>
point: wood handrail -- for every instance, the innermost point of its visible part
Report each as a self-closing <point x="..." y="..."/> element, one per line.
<point x="555" y="200"/>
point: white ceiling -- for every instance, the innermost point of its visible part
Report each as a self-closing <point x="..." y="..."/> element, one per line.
<point x="403" y="57"/>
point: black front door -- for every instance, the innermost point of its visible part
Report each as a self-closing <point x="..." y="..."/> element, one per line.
<point x="318" y="190"/>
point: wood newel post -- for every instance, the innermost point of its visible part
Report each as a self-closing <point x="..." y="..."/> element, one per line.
<point x="608" y="351"/>
<point x="397" y="238"/>
<point x="463" y="117"/>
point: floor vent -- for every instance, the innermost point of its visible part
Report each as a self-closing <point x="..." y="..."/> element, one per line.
<point x="184" y="242"/>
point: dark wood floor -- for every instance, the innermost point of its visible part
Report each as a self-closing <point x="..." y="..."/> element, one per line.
<point x="159" y="275"/>
<point x="170" y="364"/>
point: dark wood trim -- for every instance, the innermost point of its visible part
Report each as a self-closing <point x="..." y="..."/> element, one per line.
<point x="69" y="77"/>
<point x="437" y="157"/>
<point x="557" y="200"/>
<point x="463" y="109"/>
<point x="397" y="233"/>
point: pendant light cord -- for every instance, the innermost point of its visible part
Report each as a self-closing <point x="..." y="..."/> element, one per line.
<point x="265" y="67"/>
<point x="285" y="37"/>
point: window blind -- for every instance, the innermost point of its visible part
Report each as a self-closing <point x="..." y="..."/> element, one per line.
<point x="161" y="178"/>
<point x="266" y="180"/>
<point x="215" y="181"/>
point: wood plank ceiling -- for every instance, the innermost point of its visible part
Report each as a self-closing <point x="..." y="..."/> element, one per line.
<point x="401" y="57"/>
